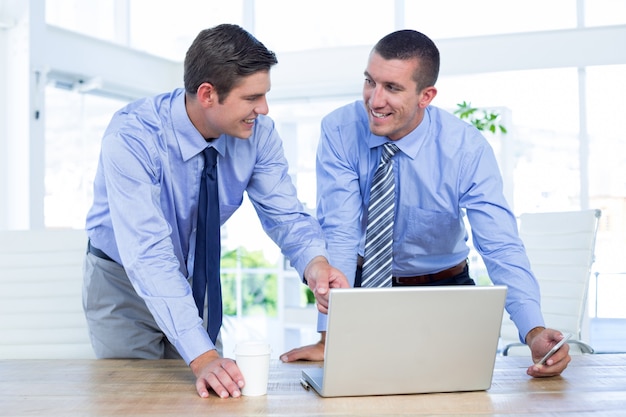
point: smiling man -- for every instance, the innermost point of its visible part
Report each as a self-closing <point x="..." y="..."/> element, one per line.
<point x="441" y="169"/>
<point x="140" y="294"/>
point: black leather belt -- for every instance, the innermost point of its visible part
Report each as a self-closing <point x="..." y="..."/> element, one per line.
<point x="97" y="252"/>
<point x="430" y="278"/>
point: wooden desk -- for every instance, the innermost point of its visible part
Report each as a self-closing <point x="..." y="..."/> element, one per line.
<point x="592" y="385"/>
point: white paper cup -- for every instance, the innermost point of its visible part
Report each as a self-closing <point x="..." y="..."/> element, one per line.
<point x="253" y="360"/>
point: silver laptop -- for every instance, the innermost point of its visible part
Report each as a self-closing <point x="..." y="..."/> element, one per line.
<point x="383" y="341"/>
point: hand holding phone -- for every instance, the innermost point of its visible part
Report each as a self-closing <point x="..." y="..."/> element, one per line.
<point x="556" y="347"/>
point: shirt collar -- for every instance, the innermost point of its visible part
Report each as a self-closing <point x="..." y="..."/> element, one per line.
<point x="411" y="143"/>
<point x="190" y="141"/>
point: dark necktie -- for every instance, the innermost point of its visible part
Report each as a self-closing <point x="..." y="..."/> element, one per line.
<point x="379" y="233"/>
<point x="206" y="270"/>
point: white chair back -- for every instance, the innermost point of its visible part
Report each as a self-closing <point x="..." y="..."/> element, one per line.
<point x="560" y="247"/>
<point x="41" y="314"/>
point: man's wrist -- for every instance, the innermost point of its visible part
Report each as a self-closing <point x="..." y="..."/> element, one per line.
<point x="201" y="361"/>
<point x="308" y="270"/>
<point x="533" y="333"/>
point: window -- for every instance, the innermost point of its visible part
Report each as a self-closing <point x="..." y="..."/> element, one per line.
<point x="298" y="123"/>
<point x="167" y="28"/>
<point x="539" y="154"/>
<point x="75" y="123"/>
<point x="286" y="25"/>
<point x="96" y="19"/>
<point x="605" y="12"/>
<point x="161" y="28"/>
<point x="461" y="18"/>
<point x="607" y="163"/>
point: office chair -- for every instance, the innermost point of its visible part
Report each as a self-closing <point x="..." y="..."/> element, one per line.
<point x="560" y="247"/>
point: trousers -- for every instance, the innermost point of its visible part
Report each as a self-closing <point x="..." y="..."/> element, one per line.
<point x="120" y="324"/>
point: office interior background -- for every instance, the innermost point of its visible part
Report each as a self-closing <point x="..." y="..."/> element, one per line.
<point x="554" y="70"/>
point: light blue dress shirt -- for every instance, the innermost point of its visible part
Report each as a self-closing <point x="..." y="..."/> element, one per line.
<point x="146" y="199"/>
<point x="445" y="170"/>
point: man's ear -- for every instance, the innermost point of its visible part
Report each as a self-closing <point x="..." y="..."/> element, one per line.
<point x="206" y="95"/>
<point x="426" y="96"/>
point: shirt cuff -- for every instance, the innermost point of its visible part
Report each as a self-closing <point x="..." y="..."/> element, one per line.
<point x="322" y="322"/>
<point x="526" y="320"/>
<point x="194" y="343"/>
<point x="301" y="262"/>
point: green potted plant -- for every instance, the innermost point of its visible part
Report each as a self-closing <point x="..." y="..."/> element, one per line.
<point x="482" y="119"/>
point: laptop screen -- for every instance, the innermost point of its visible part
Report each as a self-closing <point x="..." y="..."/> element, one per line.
<point x="411" y="339"/>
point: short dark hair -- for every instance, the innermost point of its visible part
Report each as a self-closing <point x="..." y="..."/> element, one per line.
<point x="410" y="44"/>
<point x="222" y="55"/>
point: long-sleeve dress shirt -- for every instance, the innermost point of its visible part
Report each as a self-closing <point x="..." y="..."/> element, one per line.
<point x="146" y="199"/>
<point x="445" y="169"/>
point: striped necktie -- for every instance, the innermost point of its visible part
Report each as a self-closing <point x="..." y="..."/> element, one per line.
<point x="206" y="270"/>
<point x="379" y="234"/>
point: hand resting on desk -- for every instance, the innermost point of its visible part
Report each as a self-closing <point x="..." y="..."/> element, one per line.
<point x="314" y="352"/>
<point x="220" y="374"/>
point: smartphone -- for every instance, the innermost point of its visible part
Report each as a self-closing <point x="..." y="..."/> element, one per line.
<point x="556" y="347"/>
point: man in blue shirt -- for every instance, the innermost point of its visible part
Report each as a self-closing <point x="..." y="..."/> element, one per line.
<point x="142" y="225"/>
<point x="443" y="170"/>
